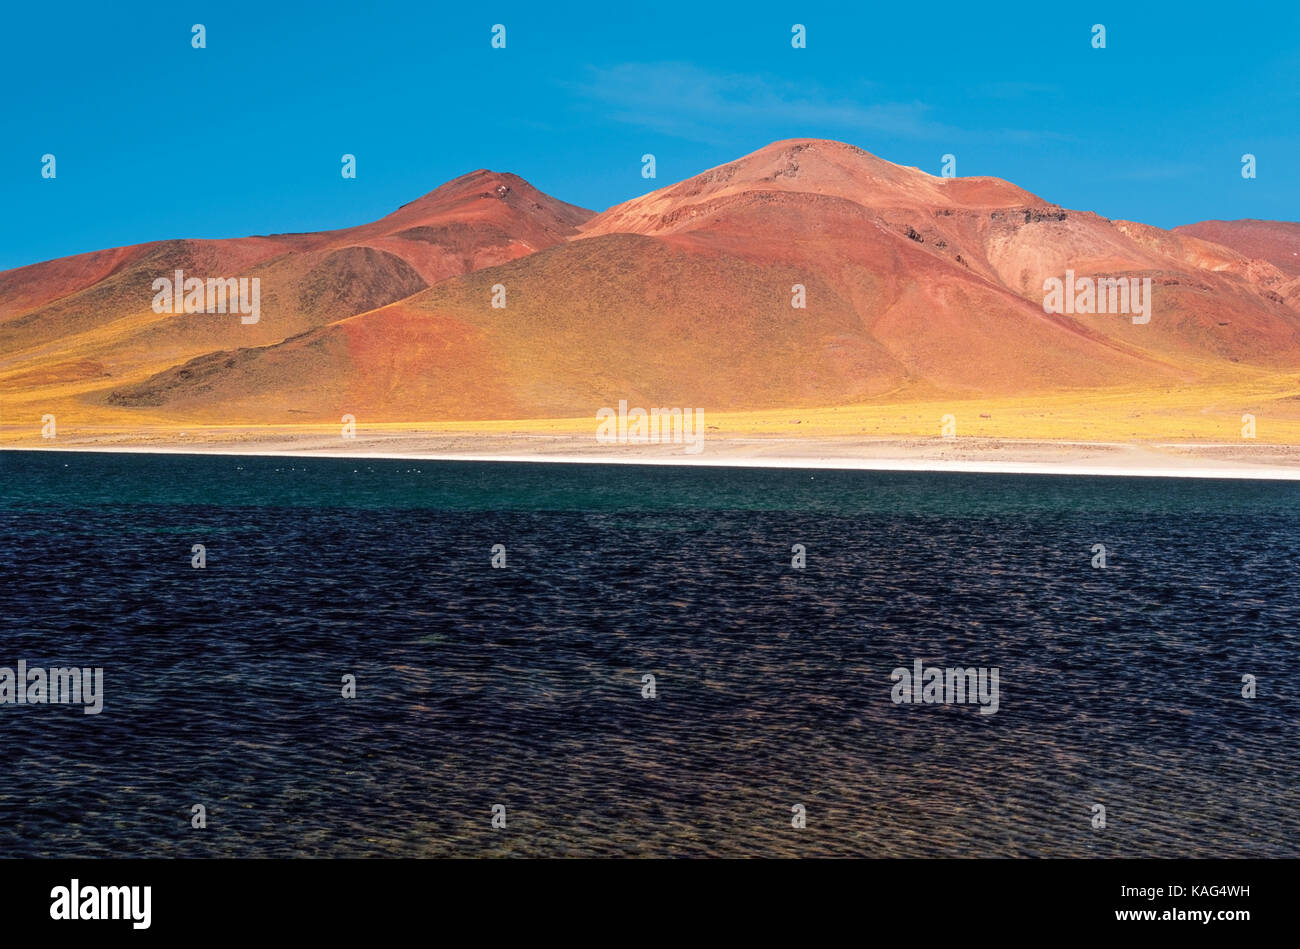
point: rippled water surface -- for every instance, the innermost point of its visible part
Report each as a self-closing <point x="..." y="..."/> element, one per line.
<point x="523" y="686"/>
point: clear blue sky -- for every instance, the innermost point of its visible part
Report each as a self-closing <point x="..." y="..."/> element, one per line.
<point x="154" y="139"/>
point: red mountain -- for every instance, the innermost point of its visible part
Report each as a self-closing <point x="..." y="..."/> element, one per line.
<point x="915" y="286"/>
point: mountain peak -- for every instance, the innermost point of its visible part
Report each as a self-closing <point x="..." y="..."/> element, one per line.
<point x="822" y="168"/>
<point x="471" y="186"/>
<point x="807" y="273"/>
<point x="482" y="193"/>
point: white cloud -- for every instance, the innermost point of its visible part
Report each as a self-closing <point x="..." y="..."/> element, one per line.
<point x="689" y="102"/>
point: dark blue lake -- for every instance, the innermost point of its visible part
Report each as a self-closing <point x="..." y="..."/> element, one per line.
<point x="523" y="686"/>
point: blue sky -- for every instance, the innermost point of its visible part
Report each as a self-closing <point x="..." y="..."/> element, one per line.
<point x="154" y="139"/>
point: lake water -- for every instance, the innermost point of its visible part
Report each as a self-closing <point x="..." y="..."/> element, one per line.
<point x="523" y="686"/>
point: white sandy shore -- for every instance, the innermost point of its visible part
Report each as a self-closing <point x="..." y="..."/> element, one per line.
<point x="984" y="456"/>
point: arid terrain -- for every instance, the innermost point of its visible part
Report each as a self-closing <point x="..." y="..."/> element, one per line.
<point x="922" y="298"/>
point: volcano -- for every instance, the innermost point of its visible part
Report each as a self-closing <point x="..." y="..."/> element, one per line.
<point x="808" y="273"/>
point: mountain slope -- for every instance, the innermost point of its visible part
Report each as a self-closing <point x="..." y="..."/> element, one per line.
<point x="914" y="287"/>
<point x="85" y="324"/>
<point x="1277" y="242"/>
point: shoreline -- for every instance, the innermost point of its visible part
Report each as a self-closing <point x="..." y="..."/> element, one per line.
<point x="961" y="456"/>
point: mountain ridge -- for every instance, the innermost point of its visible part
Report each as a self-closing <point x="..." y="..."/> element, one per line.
<point x="913" y="285"/>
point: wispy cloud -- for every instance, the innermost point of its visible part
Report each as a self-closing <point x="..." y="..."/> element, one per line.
<point x="703" y="105"/>
<point x="698" y="104"/>
<point x="1016" y="90"/>
<point x="1157" y="171"/>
